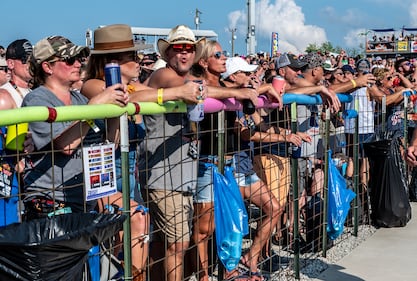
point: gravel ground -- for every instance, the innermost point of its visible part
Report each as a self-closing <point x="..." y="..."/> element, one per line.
<point x="311" y="265"/>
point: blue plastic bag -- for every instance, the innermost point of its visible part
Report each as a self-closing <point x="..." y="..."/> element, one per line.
<point x="339" y="198"/>
<point x="230" y="217"/>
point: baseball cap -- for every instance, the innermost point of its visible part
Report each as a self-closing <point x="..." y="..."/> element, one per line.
<point x="312" y="60"/>
<point x="363" y="65"/>
<point x="57" y="46"/>
<point x="19" y="49"/>
<point x="289" y="60"/>
<point x="235" y="64"/>
<point x="349" y="68"/>
<point x="3" y="62"/>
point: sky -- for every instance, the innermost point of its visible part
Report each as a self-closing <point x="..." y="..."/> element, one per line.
<point x="298" y="22"/>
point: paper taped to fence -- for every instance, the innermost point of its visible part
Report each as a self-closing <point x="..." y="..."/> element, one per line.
<point x="99" y="171"/>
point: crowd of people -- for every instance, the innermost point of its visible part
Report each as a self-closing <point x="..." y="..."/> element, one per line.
<point x="168" y="154"/>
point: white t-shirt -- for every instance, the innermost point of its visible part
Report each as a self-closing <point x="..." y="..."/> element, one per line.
<point x="17" y="93"/>
<point x="365" y="113"/>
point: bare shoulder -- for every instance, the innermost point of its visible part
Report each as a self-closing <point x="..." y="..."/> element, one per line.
<point x="165" y="78"/>
<point x="92" y="87"/>
<point x="6" y="100"/>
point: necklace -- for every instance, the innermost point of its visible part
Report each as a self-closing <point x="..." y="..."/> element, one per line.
<point x="16" y="88"/>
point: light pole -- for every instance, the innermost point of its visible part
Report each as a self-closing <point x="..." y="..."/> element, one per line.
<point x="197" y="19"/>
<point x="233" y="31"/>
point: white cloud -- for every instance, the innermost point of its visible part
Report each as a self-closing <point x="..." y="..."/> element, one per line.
<point x="284" y="17"/>
<point x="355" y="37"/>
<point x="413" y="14"/>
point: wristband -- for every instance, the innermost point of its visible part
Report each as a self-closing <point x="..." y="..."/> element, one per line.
<point x="160" y="98"/>
<point x="353" y="83"/>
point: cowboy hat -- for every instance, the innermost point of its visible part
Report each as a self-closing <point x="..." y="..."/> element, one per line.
<point x="115" y="38"/>
<point x="181" y="34"/>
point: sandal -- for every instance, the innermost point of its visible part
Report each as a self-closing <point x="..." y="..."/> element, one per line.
<point x="235" y="275"/>
<point x="246" y="271"/>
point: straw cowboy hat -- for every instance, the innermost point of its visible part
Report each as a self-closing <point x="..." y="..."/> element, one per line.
<point x="115" y="38"/>
<point x="181" y="34"/>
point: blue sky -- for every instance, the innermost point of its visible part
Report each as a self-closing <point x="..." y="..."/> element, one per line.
<point x="298" y="22"/>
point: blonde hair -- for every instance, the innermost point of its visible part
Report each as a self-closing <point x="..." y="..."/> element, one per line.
<point x="380" y="73"/>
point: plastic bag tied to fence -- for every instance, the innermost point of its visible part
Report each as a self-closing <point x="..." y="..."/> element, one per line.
<point x="388" y="188"/>
<point x="230" y="217"/>
<point x="339" y="198"/>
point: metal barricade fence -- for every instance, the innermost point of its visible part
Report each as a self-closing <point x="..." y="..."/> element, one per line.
<point x="288" y="246"/>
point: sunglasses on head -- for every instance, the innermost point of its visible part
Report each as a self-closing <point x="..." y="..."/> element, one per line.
<point x="219" y="54"/>
<point x="189" y="48"/>
<point x="4" y="68"/>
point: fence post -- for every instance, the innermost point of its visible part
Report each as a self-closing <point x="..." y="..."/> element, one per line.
<point x="294" y="180"/>
<point x="326" y="140"/>
<point x="356" y="168"/>
<point x="124" y="151"/>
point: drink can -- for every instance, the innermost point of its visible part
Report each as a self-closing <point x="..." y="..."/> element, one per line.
<point x="112" y="74"/>
<point x="195" y="112"/>
<point x="278" y="83"/>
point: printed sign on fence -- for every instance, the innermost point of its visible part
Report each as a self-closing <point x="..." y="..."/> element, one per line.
<point x="99" y="171"/>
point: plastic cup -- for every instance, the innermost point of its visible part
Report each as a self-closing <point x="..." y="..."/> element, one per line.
<point x="278" y="83"/>
<point x="16" y="135"/>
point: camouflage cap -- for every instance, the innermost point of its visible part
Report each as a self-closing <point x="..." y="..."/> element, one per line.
<point x="57" y="46"/>
<point x="313" y="60"/>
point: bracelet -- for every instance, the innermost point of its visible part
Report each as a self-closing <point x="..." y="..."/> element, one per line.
<point x="353" y="83"/>
<point x="160" y="98"/>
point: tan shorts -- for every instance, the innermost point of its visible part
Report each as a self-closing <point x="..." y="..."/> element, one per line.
<point x="275" y="173"/>
<point x="171" y="213"/>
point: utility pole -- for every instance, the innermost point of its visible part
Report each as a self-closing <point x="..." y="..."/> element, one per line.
<point x="250" y="39"/>
<point x="197" y="19"/>
<point x="88" y="38"/>
<point x="233" y="31"/>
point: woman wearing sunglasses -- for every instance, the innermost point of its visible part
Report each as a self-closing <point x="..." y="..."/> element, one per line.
<point x="210" y="67"/>
<point x="55" y="66"/>
<point x="394" y="96"/>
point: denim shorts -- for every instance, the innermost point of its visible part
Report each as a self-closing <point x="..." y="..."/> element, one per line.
<point x="204" y="193"/>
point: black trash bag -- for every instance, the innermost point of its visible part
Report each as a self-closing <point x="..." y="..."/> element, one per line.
<point x="53" y="248"/>
<point x="314" y="226"/>
<point x="388" y="187"/>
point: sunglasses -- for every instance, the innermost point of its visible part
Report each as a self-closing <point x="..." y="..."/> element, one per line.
<point x="219" y="54"/>
<point x="71" y="60"/>
<point x="246" y="73"/>
<point x="147" y="63"/>
<point x="132" y="56"/>
<point x="189" y="48"/>
<point x="388" y="78"/>
<point x="4" y="68"/>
